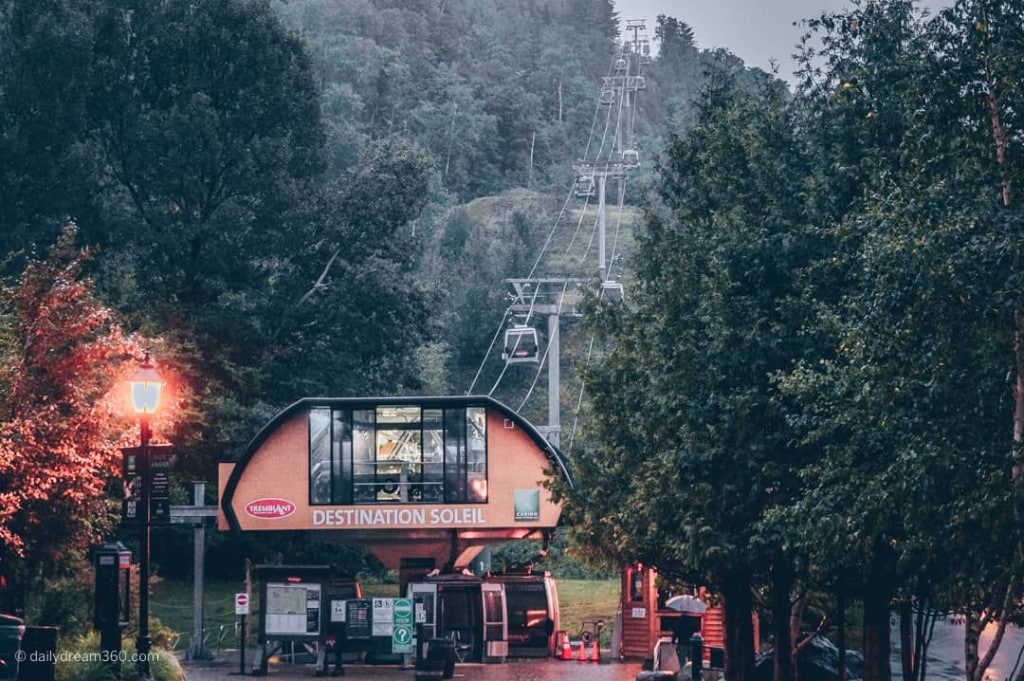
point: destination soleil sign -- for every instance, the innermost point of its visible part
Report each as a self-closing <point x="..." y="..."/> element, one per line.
<point x="277" y="509"/>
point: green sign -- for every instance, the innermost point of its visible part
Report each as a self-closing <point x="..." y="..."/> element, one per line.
<point x="403" y="611"/>
<point x="526" y="504"/>
<point x="401" y="639"/>
<point x="401" y="635"/>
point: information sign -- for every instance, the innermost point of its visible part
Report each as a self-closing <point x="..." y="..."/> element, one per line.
<point x="135" y="473"/>
<point x="292" y="610"/>
<point x="401" y="639"/>
<point x="383" y="616"/>
<point x="159" y="486"/>
<point x="357" y="619"/>
<point x="131" y="483"/>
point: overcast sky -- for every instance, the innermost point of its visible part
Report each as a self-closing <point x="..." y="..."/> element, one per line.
<point x="754" y="30"/>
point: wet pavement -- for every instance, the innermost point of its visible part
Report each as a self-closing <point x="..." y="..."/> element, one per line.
<point x="513" y="670"/>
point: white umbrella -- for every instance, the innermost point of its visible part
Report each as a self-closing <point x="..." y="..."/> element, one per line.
<point x="687" y="604"/>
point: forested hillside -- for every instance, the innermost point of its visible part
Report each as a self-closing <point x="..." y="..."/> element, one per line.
<point x="502" y="96"/>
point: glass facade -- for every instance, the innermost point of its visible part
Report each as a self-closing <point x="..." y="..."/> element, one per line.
<point x="395" y="454"/>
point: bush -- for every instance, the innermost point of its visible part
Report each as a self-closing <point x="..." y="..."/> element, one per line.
<point x="79" y="659"/>
<point x="63" y="602"/>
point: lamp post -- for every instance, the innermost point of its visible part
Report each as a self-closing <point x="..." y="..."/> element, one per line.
<point x="146" y="385"/>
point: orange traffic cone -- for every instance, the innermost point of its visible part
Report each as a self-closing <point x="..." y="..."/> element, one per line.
<point x="566" y="649"/>
<point x="583" y="651"/>
<point x="595" y="655"/>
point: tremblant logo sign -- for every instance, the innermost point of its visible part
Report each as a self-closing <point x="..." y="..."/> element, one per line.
<point x="270" y="508"/>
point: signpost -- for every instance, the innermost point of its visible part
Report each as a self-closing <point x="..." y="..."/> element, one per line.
<point x="242" y="610"/>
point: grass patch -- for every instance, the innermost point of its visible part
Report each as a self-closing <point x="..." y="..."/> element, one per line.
<point x="171" y="602"/>
<point x="588" y="600"/>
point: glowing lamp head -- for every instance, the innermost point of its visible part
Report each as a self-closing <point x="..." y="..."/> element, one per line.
<point x="146" y="386"/>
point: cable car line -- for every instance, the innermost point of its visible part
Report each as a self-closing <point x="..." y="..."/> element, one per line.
<point x="609" y="157"/>
<point x="504" y="317"/>
<point x="630" y="159"/>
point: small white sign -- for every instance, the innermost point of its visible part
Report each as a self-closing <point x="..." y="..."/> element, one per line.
<point x="383" y="616"/>
<point x="421" y="614"/>
<point x="337" y="611"/>
<point x="639" y="613"/>
<point x="242" y="604"/>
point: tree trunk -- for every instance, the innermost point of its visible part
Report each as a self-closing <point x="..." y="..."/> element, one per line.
<point x="841" y="638"/>
<point x="907" y="639"/>
<point x="877" y="596"/>
<point x="782" y="610"/>
<point x="925" y="629"/>
<point x="738" y="607"/>
<point x="972" y="632"/>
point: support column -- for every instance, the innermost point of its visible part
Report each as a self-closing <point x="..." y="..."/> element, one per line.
<point x="554" y="379"/>
<point x="198" y="651"/>
<point x="602" y="263"/>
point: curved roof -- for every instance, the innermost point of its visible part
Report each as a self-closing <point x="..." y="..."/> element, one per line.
<point x="553" y="454"/>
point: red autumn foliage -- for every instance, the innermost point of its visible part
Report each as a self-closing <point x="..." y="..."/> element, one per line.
<point x="62" y="419"/>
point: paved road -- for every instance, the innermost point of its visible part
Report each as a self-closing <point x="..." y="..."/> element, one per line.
<point x="519" y="670"/>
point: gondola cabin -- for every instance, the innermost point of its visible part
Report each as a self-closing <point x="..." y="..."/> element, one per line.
<point x="620" y="64"/>
<point x="607" y="96"/>
<point x="533" y="612"/>
<point x="612" y="293"/>
<point x="630" y="158"/>
<point x="521" y="345"/>
<point x="468" y="611"/>
<point x="585" y="186"/>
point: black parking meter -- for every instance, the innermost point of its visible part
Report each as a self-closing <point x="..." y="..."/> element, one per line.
<point x="696" y="656"/>
<point x="112" y="605"/>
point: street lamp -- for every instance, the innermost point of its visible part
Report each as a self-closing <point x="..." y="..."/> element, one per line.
<point x="146" y="385"/>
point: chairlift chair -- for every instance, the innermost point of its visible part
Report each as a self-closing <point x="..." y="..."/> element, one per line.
<point x="612" y="293"/>
<point x="521" y="345"/>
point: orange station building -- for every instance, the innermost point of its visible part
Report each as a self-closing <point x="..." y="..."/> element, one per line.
<point x="421" y="482"/>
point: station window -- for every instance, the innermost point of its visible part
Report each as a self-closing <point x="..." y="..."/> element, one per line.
<point x="397" y="454"/>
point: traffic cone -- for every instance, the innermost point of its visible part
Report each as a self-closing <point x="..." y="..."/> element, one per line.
<point x="583" y="651"/>
<point x="595" y="655"/>
<point x="566" y="649"/>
